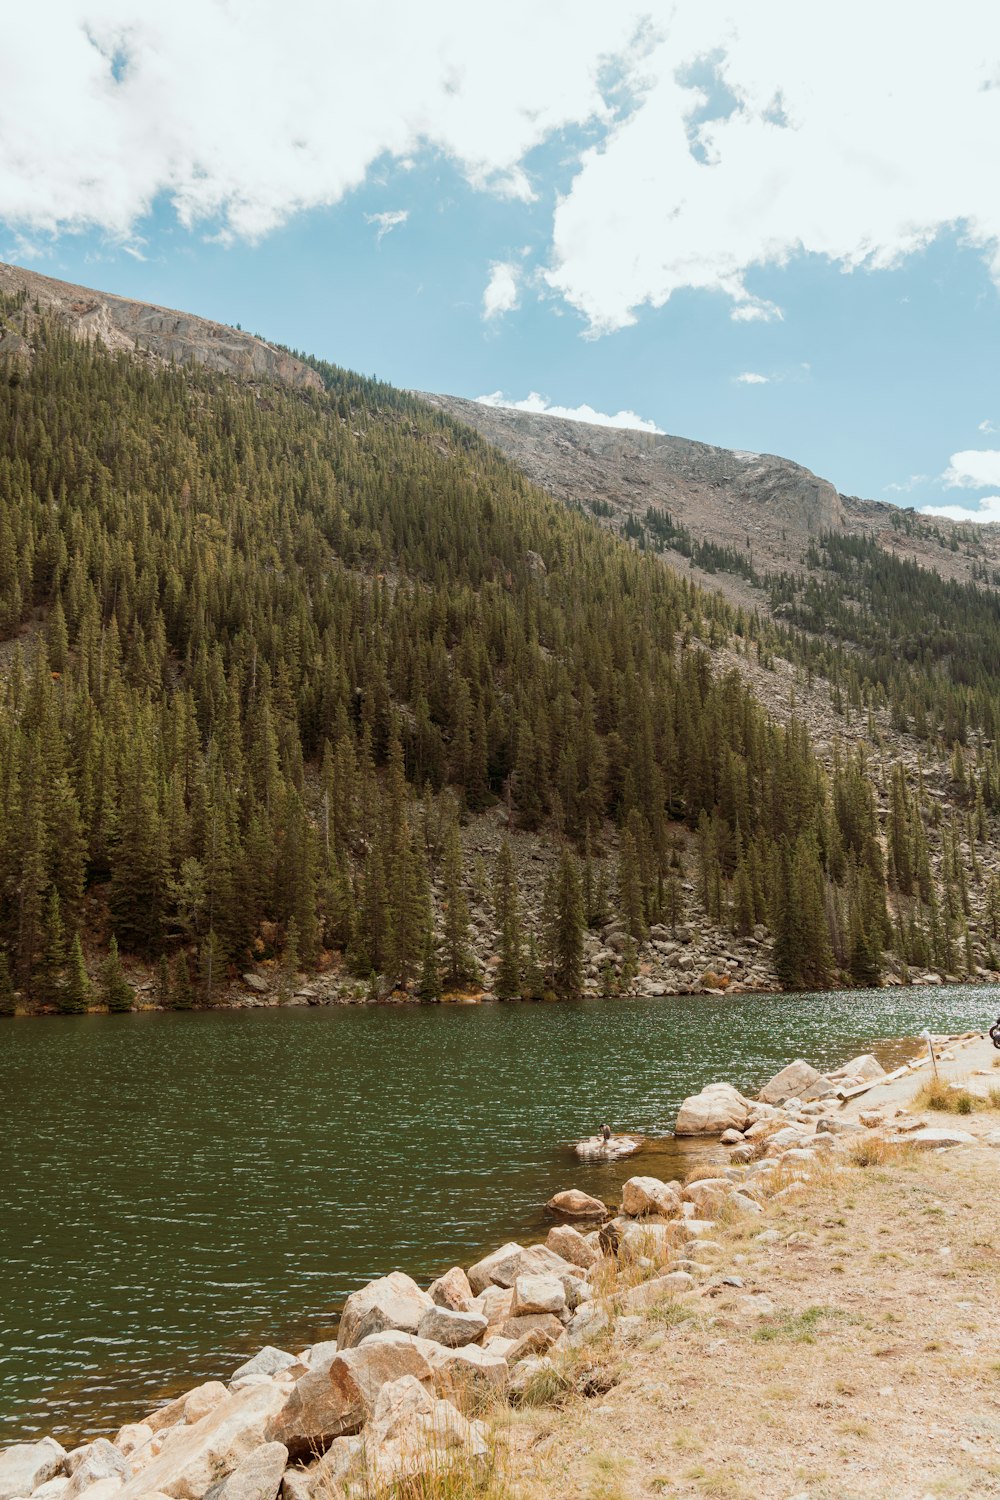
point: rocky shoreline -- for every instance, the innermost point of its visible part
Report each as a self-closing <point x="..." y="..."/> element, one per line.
<point x="409" y="1385"/>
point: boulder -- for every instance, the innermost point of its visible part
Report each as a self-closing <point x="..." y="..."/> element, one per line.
<point x="25" y="1466"/>
<point x="568" y="1243"/>
<point x="133" y="1438"/>
<point x="410" y="1433"/>
<point x="190" y="1407"/>
<point x="469" y="1368"/>
<point x="93" y="1463"/>
<point x="392" y="1302"/>
<point x="494" y="1303"/>
<point x="717" y="1108"/>
<point x="268" y="1361"/>
<point x="258" y="1477"/>
<point x="538" y="1294"/>
<point x="574" y="1204"/>
<point x="452" y="1290"/>
<point x="504" y="1266"/>
<point x="708" y="1194"/>
<point x="444" y="1326"/>
<point x="516" y="1328"/>
<point x="648" y="1195"/>
<point x="800" y="1080"/>
<point x="527" y="1372"/>
<point x="328" y="1476"/>
<point x="103" y="1489"/>
<point x="863" y="1068"/>
<point x="195" y="1458"/>
<point x="338" y="1394"/>
<point x="52" y="1488"/>
<point x="648" y="1293"/>
<point x="933" y="1139"/>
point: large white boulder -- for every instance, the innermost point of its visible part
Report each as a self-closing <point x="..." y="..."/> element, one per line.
<point x="392" y="1302"/>
<point x="864" y="1068"/>
<point x="93" y="1463"/>
<point x="25" y="1466"/>
<point x="717" y="1108"/>
<point x="572" y="1246"/>
<point x="411" y="1432"/>
<point x="574" y="1204"/>
<point x="257" y="1477"/>
<point x="267" y="1361"/>
<point x="538" y="1294"/>
<point x="648" y="1195"/>
<point x="452" y="1290"/>
<point x="338" y="1394"/>
<point x="195" y="1458"/>
<point x="190" y="1407"/>
<point x="800" y="1080"/>
<point x="444" y="1326"/>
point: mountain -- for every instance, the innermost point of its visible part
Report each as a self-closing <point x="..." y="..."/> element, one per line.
<point x="760" y="510"/>
<point x="309" y="691"/>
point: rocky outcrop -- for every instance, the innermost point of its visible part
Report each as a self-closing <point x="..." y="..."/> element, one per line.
<point x="798" y="1081"/>
<point x="169" y="336"/>
<point x="392" y="1302"/>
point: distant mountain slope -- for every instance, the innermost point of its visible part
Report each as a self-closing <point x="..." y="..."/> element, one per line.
<point x="763" y="507"/>
<point x="122" y="323"/>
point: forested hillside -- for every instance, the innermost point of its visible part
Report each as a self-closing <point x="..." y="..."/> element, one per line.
<point x="265" y="649"/>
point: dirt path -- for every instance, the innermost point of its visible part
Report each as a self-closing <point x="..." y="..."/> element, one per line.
<point x="859" y="1355"/>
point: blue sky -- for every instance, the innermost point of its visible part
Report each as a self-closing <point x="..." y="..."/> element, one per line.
<point x="667" y="207"/>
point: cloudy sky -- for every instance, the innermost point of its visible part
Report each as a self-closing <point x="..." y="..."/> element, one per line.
<point x="775" y="227"/>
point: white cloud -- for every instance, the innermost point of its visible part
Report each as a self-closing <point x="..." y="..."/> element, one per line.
<point x="908" y="485"/>
<point x="751" y="377"/>
<point x="387" y="221"/>
<point x="249" y="113"/>
<point x="501" y="294"/>
<point x="988" y="426"/>
<point x="973" y="469"/>
<point x="987" y="510"/>
<point x="815" y="135"/>
<point x="540" y="404"/>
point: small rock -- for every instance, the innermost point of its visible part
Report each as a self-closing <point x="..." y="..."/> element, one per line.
<point x="574" y="1204"/>
<point x="452" y="1290"/>
<point x="443" y="1325"/>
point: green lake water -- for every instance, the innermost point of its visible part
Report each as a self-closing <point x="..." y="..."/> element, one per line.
<point x="176" y="1190"/>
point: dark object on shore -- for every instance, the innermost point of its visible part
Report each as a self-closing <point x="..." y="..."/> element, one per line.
<point x="605" y="1132"/>
<point x="995" y="1033"/>
<point x="609" y="1238"/>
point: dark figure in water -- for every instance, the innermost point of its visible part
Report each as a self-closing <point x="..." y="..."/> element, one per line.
<point x="605" y="1133"/>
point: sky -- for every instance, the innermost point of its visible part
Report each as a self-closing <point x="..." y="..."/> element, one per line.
<point x="770" y="227"/>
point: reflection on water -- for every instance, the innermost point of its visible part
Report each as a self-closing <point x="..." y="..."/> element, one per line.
<point x="176" y="1190"/>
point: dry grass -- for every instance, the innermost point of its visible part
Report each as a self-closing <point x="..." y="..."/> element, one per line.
<point x="949" y="1099"/>
<point x="857" y="1356"/>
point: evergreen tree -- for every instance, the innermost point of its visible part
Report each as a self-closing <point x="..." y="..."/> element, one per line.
<point x="77" y="990"/>
<point x="164" y="988"/>
<point x="182" y="989"/>
<point x="567" y="941"/>
<point x="458" y="963"/>
<point x="51" y="976"/>
<point x="116" y="992"/>
<point x="8" y="995"/>
<point x="507" y="917"/>
<point x="429" y="988"/>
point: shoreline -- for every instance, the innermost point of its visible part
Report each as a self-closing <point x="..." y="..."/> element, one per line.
<point x="677" y="1219"/>
<point x="301" y="1001"/>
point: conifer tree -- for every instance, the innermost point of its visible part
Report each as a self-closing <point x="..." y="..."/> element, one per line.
<point x="567" y="939"/>
<point x="116" y="992"/>
<point x="8" y="995"/>
<point x="51" y="976"/>
<point x="77" y="990"/>
<point x="507" y="918"/>
<point x="182" y="989"/>
<point x="458" y="963"/>
<point x="429" y="988"/>
<point x="164" y="988"/>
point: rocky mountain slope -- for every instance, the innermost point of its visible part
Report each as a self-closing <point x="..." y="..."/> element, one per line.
<point x="763" y="507"/>
<point x="140" y="327"/>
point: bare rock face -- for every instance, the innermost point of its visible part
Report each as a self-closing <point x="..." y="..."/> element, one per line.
<point x="182" y="338"/>
<point x="443" y="1325"/>
<point x="190" y="1407"/>
<point x="569" y="1243"/>
<point x="717" y="1108"/>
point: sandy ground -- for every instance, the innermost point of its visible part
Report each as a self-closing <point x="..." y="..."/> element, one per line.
<point x="860" y="1357"/>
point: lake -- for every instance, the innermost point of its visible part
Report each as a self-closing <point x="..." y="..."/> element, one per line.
<point x="176" y="1190"/>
